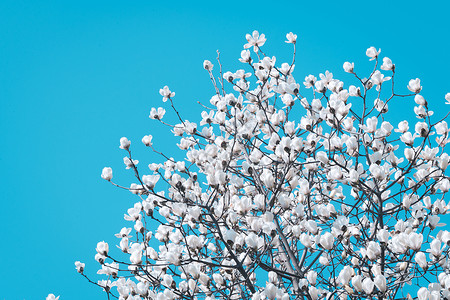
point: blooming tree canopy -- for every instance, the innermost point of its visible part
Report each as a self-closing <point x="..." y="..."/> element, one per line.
<point x="288" y="190"/>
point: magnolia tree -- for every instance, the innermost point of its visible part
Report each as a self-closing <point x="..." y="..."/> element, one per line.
<point x="288" y="190"/>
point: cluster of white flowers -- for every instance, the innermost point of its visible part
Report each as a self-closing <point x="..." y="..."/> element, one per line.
<point x="288" y="196"/>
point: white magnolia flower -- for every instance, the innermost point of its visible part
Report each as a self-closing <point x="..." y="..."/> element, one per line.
<point x="124" y="143"/>
<point x="157" y="114"/>
<point x="310" y="81"/>
<point x="218" y="279"/>
<point x="195" y="242"/>
<point x="368" y="285"/>
<point x="373" y="53"/>
<point x="150" y="180"/>
<point x="442" y="128"/>
<point x="421" y="129"/>
<point x="268" y="179"/>
<point x="312" y="277"/>
<point x="371" y="125"/>
<point x="435" y="248"/>
<point x="129" y="163"/>
<point x="420" y="100"/>
<point x="378" y="78"/>
<point x="414" y="85"/>
<point x="271" y="291"/>
<point x="109" y="269"/>
<point x="102" y="248"/>
<point x="324" y="260"/>
<point x="107" y="173"/>
<point x="105" y="284"/>
<point x="147" y="140"/>
<point x="288" y="100"/>
<point x="345" y="275"/>
<point x="230" y="236"/>
<point x="291" y="38"/>
<point x="327" y="240"/>
<point x="245" y="56"/>
<point x="207" y="65"/>
<point x="100" y="258"/>
<point x="348" y="67"/>
<point x="124" y="232"/>
<point x="354" y="91"/>
<point x="255" y="40"/>
<point x="407" y="138"/>
<point x="423" y="294"/>
<point x="422" y="113"/>
<point x="380" y="282"/>
<point x="387" y="64"/>
<point x="421" y="260"/>
<point x="166" y="93"/>
<point x="383" y="235"/>
<point x="313" y="292"/>
<point x="51" y="297"/>
<point x="306" y="240"/>
<point x="402" y="127"/>
<point x="373" y="250"/>
<point x="136" y="256"/>
<point x="79" y="266"/>
<point x="357" y="283"/>
<point x="415" y="240"/>
<point x="320" y="86"/>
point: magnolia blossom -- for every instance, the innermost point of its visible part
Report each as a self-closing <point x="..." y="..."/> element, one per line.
<point x="414" y="85"/>
<point x="415" y="241"/>
<point x="157" y="114"/>
<point x="435" y="248"/>
<point x="102" y="248"/>
<point x="245" y="56"/>
<point x="207" y="65"/>
<point x="387" y="64"/>
<point x="256" y="40"/>
<point x="368" y="285"/>
<point x="291" y="38"/>
<point x="423" y="294"/>
<point x="107" y="173"/>
<point x="147" y="140"/>
<point x="420" y="100"/>
<point x="402" y="127"/>
<point x="105" y="284"/>
<point x="371" y="125"/>
<point x="109" y="269"/>
<point x="373" y="53"/>
<point x="442" y="128"/>
<point x="380" y="283"/>
<point x="421" y="260"/>
<point x="166" y="93"/>
<point x="51" y="297"/>
<point x="129" y="163"/>
<point x="348" y="67"/>
<point x="150" y="180"/>
<point x="124" y="232"/>
<point x="326" y="240"/>
<point x="378" y="78"/>
<point x="79" y="266"/>
<point x="124" y="143"/>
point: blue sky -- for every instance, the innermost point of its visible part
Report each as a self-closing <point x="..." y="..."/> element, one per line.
<point x="75" y="76"/>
